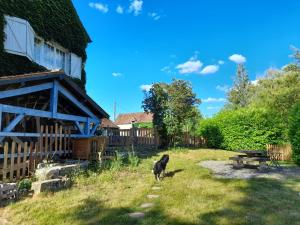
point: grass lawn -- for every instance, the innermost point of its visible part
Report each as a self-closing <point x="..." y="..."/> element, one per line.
<point x="191" y="196"/>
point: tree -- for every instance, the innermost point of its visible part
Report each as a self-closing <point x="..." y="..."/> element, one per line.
<point x="155" y="101"/>
<point x="172" y="106"/>
<point x="238" y="95"/>
<point x="294" y="132"/>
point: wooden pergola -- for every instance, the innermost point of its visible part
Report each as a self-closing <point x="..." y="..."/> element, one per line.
<point x="26" y="101"/>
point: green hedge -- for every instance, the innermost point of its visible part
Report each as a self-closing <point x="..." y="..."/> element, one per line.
<point x="294" y="132"/>
<point x="54" y="20"/>
<point x="243" y="129"/>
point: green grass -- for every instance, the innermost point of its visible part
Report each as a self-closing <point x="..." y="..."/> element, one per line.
<point x="191" y="196"/>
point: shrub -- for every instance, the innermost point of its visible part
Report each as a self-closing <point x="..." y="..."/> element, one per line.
<point x="24" y="185"/>
<point x="294" y="132"/>
<point x="117" y="162"/>
<point x="211" y="133"/>
<point x="247" y="128"/>
<point x="133" y="159"/>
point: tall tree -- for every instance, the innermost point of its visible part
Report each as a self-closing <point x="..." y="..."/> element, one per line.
<point x="155" y="101"/>
<point x="172" y="105"/>
<point x="239" y="93"/>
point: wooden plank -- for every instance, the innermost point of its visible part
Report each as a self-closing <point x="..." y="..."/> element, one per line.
<point x="65" y="141"/>
<point x="12" y="161"/>
<point x="41" y="151"/>
<point x="69" y="141"/>
<point x="5" y="161"/>
<point x="51" y="141"/>
<point x="60" y="139"/>
<point x="55" y="139"/>
<point x="31" y="157"/>
<point x="46" y="142"/>
<point x="35" y="159"/>
<point x="19" y="161"/>
<point x="25" y="159"/>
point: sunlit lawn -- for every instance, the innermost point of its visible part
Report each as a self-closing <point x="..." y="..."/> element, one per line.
<point x="191" y="196"/>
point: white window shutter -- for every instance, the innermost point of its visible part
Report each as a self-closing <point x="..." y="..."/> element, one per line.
<point x="30" y="42"/>
<point x="15" y="35"/>
<point x="76" y="64"/>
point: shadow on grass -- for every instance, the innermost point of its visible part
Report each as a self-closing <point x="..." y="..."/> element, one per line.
<point x="265" y="201"/>
<point x="92" y="212"/>
<point x="172" y="173"/>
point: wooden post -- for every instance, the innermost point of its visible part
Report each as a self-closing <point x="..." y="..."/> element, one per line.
<point x="19" y="161"/>
<point x="5" y="161"/>
<point x="55" y="139"/>
<point x="35" y="159"/>
<point x="12" y="161"/>
<point x="51" y="141"/>
<point x="46" y="143"/>
<point x="24" y="159"/>
<point x="69" y="141"/>
<point x="41" y="143"/>
<point x="31" y="158"/>
<point x="60" y="139"/>
<point x="65" y="141"/>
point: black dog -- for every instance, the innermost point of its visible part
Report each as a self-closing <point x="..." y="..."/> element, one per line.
<point x="160" y="166"/>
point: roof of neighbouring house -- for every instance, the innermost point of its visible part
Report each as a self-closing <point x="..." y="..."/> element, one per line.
<point x="34" y="78"/>
<point x="140" y="117"/>
<point x="107" y="123"/>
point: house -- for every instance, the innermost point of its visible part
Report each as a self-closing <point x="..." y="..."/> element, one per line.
<point x="108" y="128"/>
<point x="39" y="36"/>
<point x="128" y="120"/>
<point x="42" y="77"/>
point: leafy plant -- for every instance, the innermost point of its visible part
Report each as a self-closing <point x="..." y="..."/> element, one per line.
<point x="118" y="162"/>
<point x="294" y="132"/>
<point x="133" y="159"/>
<point x="24" y="185"/>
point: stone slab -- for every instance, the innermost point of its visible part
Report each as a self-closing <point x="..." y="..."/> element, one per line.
<point x="153" y="196"/>
<point x="147" y="205"/>
<point x="137" y="215"/>
<point x="51" y="185"/>
<point x="156" y="188"/>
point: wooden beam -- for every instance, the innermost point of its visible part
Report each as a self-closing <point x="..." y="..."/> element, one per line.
<point x="54" y="98"/>
<point x="25" y="90"/>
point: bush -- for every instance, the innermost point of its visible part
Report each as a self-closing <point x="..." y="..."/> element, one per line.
<point x="294" y="132"/>
<point x="24" y="185"/>
<point x="133" y="159"/>
<point x="117" y="163"/>
<point x="211" y="133"/>
<point x="247" y="128"/>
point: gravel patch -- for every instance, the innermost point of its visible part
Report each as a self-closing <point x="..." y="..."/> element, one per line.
<point x="223" y="169"/>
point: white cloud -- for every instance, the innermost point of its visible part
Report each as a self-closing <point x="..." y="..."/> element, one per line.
<point x="221" y="62"/>
<point x="210" y="99"/>
<point x="117" y="74"/>
<point x="191" y="66"/>
<point x="210" y="69"/>
<point x="166" y="69"/>
<point x="237" y="58"/>
<point x="212" y="107"/>
<point x="146" y="87"/>
<point x="99" y="6"/>
<point x="136" y="7"/>
<point x="224" y="88"/>
<point x="120" y="9"/>
<point x="254" y="82"/>
<point x="154" y="16"/>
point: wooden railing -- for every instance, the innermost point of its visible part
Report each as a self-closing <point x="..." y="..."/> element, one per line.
<point x="18" y="160"/>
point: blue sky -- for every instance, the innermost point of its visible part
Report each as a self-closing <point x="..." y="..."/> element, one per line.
<point x="139" y="42"/>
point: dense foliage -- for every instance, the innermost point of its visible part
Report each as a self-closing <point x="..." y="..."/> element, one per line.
<point x="246" y="128"/>
<point x="173" y="106"/>
<point x="54" y="20"/>
<point x="294" y="132"/>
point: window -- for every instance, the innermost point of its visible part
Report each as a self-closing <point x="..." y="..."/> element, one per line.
<point x="60" y="59"/>
<point x="38" y="50"/>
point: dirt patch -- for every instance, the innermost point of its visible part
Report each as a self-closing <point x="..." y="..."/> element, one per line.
<point x="224" y="169"/>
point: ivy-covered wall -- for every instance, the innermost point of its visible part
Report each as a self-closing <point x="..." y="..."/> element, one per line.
<point x="53" y="20"/>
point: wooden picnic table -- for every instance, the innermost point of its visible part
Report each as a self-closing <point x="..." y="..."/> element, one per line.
<point x="247" y="156"/>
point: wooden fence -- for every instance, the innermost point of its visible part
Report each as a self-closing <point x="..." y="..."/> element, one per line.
<point x="285" y="151"/>
<point x="18" y="160"/>
<point x="193" y="141"/>
<point x="136" y="137"/>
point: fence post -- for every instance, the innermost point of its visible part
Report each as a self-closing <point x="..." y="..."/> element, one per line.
<point x="5" y="161"/>
<point x="12" y="161"/>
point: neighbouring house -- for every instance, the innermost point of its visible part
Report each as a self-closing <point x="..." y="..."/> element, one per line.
<point x="108" y="128"/>
<point x="39" y="36"/>
<point x="128" y="120"/>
